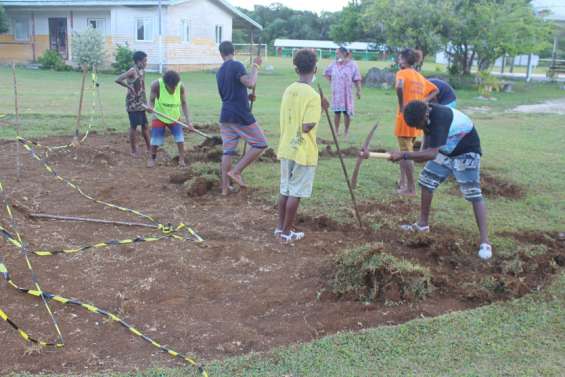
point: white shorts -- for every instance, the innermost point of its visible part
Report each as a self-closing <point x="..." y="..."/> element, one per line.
<point x="296" y="180"/>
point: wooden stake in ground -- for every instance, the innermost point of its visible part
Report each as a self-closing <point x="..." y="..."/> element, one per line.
<point x="98" y="97"/>
<point x="75" y="141"/>
<point x="353" y="200"/>
<point x="17" y="111"/>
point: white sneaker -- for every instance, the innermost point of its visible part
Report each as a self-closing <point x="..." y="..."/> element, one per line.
<point x="485" y="251"/>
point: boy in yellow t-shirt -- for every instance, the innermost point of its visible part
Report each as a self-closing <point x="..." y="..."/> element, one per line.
<point x="298" y="153"/>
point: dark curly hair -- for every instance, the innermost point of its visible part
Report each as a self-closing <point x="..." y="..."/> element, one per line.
<point x="410" y="56"/>
<point x="171" y="79"/>
<point x="226" y="48"/>
<point x="414" y="113"/>
<point x="305" y="61"/>
<point x="138" y="56"/>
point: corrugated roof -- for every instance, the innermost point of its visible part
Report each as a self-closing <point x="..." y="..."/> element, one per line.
<point x="91" y="3"/>
<point x="299" y="43"/>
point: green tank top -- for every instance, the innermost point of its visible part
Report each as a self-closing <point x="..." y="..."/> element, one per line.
<point x="168" y="103"/>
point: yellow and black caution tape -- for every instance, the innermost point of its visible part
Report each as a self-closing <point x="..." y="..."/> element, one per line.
<point x="16" y="240"/>
<point x="48" y="148"/>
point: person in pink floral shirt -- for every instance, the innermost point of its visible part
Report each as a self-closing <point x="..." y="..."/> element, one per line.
<point x="343" y="74"/>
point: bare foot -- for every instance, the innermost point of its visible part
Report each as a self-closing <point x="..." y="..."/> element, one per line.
<point x="150" y="163"/>
<point x="229" y="190"/>
<point x="237" y="179"/>
<point x="182" y="164"/>
<point x="406" y="192"/>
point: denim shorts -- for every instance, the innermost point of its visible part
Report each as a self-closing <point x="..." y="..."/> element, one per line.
<point x="158" y="132"/>
<point x="465" y="169"/>
<point x="296" y="180"/>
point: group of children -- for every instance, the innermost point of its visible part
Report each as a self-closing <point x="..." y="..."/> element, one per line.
<point x="451" y="144"/>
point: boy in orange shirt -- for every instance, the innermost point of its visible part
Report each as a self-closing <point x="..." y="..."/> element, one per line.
<point x="410" y="86"/>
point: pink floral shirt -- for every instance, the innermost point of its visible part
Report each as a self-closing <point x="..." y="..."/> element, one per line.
<point x="343" y="76"/>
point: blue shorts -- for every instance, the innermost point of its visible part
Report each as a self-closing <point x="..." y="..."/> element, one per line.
<point x="464" y="168"/>
<point x="158" y="132"/>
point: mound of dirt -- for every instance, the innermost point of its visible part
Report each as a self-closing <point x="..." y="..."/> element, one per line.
<point x="370" y="274"/>
<point x="199" y="186"/>
<point x="198" y="179"/>
<point x="328" y="151"/>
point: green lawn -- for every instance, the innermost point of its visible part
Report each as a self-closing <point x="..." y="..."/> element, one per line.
<point x="523" y="337"/>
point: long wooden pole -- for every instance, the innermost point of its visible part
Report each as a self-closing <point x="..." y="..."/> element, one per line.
<point x="98" y="97"/>
<point x="17" y="110"/>
<point x="79" y="112"/>
<point x="87" y="219"/>
<point x="353" y="200"/>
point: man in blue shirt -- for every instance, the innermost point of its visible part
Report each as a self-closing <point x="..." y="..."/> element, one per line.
<point x="236" y="119"/>
<point x="446" y="95"/>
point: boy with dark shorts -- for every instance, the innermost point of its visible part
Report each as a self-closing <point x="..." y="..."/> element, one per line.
<point x="236" y="119"/>
<point x="451" y="147"/>
<point x="298" y="152"/>
<point x="134" y="80"/>
<point x="168" y="97"/>
<point x="446" y="95"/>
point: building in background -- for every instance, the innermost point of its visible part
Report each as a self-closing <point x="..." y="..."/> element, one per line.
<point x="190" y="29"/>
<point x="326" y="49"/>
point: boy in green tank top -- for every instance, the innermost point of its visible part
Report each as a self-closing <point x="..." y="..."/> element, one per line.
<point x="168" y="96"/>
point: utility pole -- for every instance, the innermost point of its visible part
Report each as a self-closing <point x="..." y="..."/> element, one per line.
<point x="160" y="42"/>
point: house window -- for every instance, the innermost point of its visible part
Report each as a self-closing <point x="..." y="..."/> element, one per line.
<point x="144" y="29"/>
<point x="219" y="31"/>
<point x="185" y="30"/>
<point x="21" y="28"/>
<point x="96" y="23"/>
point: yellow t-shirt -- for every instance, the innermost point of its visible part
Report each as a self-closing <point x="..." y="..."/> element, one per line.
<point x="300" y="105"/>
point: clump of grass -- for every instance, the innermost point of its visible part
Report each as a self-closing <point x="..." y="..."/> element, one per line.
<point x="369" y="273"/>
<point x="204" y="169"/>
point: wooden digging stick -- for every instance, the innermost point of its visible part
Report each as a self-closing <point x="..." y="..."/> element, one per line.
<point x="87" y="219"/>
<point x="252" y="101"/>
<point x="75" y="141"/>
<point x="341" y="161"/>
<point x="179" y="122"/>
<point x="18" y="158"/>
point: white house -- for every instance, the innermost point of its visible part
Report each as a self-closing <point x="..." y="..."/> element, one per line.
<point x="190" y="29"/>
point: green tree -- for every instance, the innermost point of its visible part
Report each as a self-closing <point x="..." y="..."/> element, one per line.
<point x="405" y="23"/>
<point x="349" y="26"/>
<point x="88" y="47"/>
<point x="3" y="20"/>
<point x="484" y="30"/>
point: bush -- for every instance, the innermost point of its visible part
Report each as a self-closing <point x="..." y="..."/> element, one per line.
<point x="89" y="47"/>
<point x="124" y="58"/>
<point x="52" y="60"/>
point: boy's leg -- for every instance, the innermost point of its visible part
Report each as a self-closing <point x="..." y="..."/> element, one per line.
<point x="284" y="192"/>
<point x="425" y="206"/>
<point x="337" y="119"/>
<point x="480" y="210"/>
<point x="291" y="209"/>
<point x="132" y="140"/>
<point x="157" y="139"/>
<point x="256" y="139"/>
<point x="178" y="134"/>
<point x="230" y="140"/>
<point x="146" y="137"/>
<point x="409" y="188"/>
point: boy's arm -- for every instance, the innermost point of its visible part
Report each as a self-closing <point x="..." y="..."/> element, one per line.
<point x="307" y="127"/>
<point x="250" y="79"/>
<point x="154" y="94"/>
<point x="400" y="95"/>
<point x="120" y="80"/>
<point x="313" y="111"/>
<point x="184" y="105"/>
<point x="419" y="156"/>
<point x="431" y="96"/>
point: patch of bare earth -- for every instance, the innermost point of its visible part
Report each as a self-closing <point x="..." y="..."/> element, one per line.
<point x="239" y="291"/>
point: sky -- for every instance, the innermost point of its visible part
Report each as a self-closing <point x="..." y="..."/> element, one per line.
<point x="312" y="5"/>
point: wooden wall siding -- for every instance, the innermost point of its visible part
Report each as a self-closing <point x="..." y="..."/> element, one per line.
<point x="21" y="52"/>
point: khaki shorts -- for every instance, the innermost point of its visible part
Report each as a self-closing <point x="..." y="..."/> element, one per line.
<point x="406" y="144"/>
<point x="296" y="180"/>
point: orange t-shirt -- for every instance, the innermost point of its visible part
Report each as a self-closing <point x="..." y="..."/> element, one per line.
<point x="414" y="87"/>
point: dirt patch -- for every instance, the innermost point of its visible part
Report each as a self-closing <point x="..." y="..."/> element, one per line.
<point x="238" y="292"/>
<point x="548" y="107"/>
